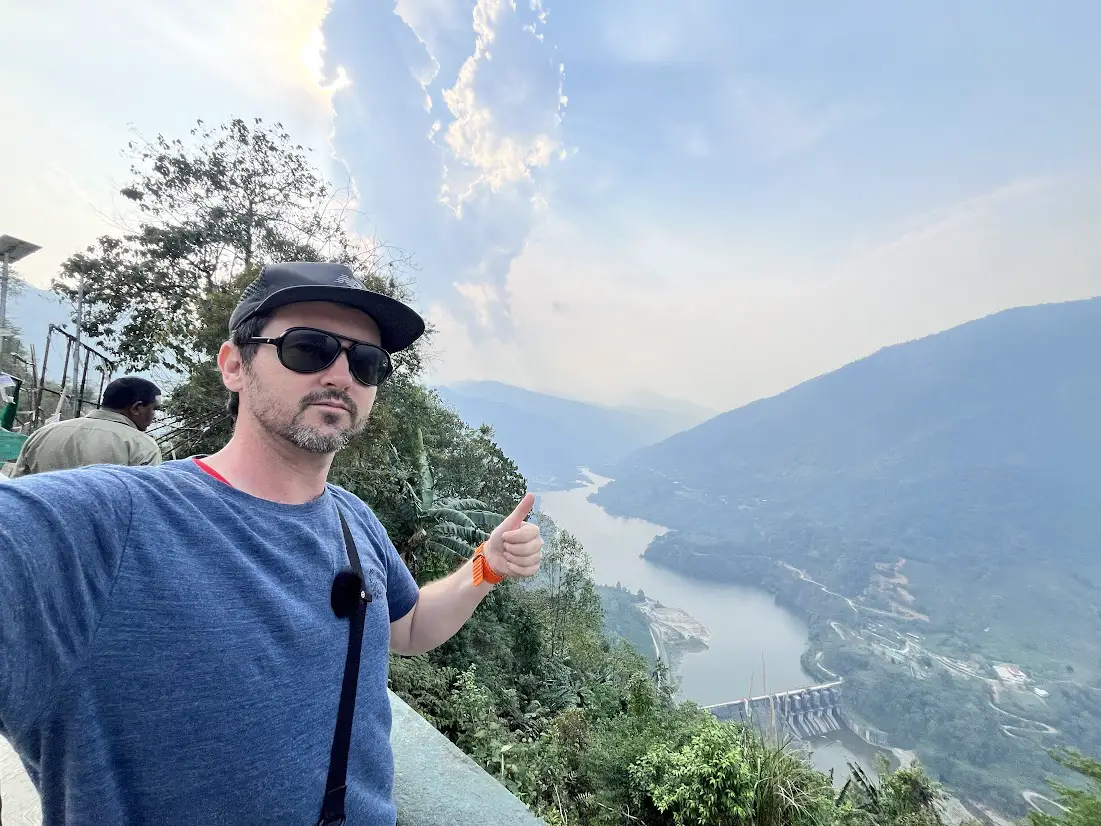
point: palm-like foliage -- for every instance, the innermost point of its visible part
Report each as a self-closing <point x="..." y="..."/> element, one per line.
<point x="435" y="528"/>
<point x="907" y="797"/>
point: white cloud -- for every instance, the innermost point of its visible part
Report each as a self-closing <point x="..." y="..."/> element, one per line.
<point x="472" y="97"/>
<point x="597" y="315"/>
<point x="484" y="299"/>
<point x="81" y="74"/>
<point x="488" y="156"/>
<point x="430" y="19"/>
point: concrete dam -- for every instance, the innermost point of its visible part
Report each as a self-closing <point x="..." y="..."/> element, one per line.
<point x="808" y="712"/>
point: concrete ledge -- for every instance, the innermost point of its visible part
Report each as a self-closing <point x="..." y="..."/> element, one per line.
<point x="435" y="783"/>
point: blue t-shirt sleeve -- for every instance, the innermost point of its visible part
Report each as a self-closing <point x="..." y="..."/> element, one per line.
<point x="62" y="537"/>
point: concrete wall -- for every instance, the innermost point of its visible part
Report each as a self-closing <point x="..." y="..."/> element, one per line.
<point x="871" y="736"/>
<point x="434" y="782"/>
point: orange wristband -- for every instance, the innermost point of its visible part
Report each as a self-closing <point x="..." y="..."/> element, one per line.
<point x="483" y="572"/>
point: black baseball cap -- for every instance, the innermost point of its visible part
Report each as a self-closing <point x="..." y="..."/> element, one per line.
<point x="298" y="281"/>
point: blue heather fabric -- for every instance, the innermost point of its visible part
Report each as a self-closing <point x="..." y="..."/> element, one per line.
<point x="168" y="653"/>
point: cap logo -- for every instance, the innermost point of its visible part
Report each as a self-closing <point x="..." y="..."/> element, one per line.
<point x="348" y="280"/>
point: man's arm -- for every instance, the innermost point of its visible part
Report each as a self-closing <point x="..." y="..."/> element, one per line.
<point x="442" y="608"/>
<point x="61" y="542"/>
<point x="513" y="550"/>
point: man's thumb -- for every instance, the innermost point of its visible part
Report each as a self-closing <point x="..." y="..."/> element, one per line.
<point x="515" y="519"/>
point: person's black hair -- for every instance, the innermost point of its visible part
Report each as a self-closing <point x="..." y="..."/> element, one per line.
<point x="126" y="391"/>
<point x="251" y="328"/>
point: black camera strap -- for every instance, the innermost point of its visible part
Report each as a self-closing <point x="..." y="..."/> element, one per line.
<point x="349" y="599"/>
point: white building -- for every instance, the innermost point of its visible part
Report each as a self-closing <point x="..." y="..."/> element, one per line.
<point x="1009" y="673"/>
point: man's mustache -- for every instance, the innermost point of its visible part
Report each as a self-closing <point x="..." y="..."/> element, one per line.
<point x="339" y="396"/>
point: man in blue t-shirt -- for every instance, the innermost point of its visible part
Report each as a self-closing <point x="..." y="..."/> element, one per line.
<point x="170" y="650"/>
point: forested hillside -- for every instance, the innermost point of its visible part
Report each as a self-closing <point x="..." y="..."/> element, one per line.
<point x="950" y="487"/>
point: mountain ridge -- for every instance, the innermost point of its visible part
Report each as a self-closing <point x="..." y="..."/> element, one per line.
<point x="908" y="392"/>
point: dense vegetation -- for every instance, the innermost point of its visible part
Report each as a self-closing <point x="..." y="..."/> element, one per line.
<point x="1080" y="804"/>
<point x="944" y="716"/>
<point x="580" y="726"/>
<point x="623" y="620"/>
<point x="972" y="455"/>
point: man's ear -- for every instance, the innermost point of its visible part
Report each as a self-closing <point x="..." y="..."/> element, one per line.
<point x="231" y="366"/>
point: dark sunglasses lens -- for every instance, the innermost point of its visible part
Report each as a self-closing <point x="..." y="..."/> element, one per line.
<point x="308" y="351"/>
<point x="370" y="365"/>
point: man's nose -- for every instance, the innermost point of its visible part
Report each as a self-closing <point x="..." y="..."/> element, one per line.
<point x="339" y="373"/>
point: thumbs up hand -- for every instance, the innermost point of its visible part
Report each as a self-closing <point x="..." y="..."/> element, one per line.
<point x="515" y="548"/>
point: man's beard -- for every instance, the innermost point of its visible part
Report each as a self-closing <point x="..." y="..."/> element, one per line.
<point x="297" y="431"/>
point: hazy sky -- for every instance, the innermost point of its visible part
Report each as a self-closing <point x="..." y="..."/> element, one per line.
<point x="707" y="199"/>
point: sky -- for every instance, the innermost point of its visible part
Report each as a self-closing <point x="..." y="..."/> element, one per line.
<point x="707" y="200"/>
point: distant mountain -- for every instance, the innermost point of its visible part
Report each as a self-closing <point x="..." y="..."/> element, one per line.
<point x="551" y="437"/>
<point x="32" y="311"/>
<point x="1017" y="392"/>
<point x="974" y="453"/>
<point x="668" y="416"/>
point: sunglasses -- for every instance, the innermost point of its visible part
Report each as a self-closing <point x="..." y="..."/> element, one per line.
<point x="306" y="350"/>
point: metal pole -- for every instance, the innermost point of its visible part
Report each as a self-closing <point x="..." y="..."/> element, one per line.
<point x="42" y="378"/>
<point x="83" y="384"/>
<point x="76" y="363"/>
<point x="65" y="369"/>
<point x="102" y="379"/>
<point x="4" y="302"/>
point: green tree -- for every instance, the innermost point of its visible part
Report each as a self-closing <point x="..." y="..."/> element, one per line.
<point x="1081" y="806"/>
<point x="225" y="201"/>
<point x="469" y="464"/>
<point x="435" y="530"/>
<point x="906" y="797"/>
<point x="573" y="621"/>
<point x="13" y="356"/>
<point x="728" y="773"/>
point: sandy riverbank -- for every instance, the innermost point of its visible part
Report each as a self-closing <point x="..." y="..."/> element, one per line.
<point x="674" y="629"/>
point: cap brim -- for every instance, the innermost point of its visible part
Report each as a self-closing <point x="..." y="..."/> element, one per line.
<point x="399" y="324"/>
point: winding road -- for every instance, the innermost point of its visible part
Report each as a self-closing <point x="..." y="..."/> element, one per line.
<point x="1078" y="684"/>
<point x="1027" y="727"/>
<point x="852" y="604"/>
<point x="1041" y="728"/>
<point x="1031" y="797"/>
<point x="824" y="670"/>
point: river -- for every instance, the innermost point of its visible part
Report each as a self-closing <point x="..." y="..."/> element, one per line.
<point x="755" y="644"/>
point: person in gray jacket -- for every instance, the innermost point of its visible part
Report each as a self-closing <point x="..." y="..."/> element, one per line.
<point x="113" y="435"/>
